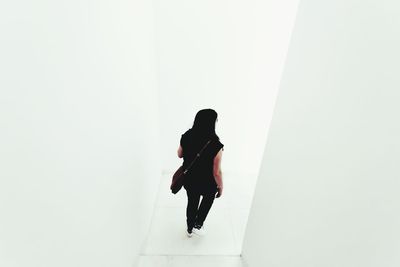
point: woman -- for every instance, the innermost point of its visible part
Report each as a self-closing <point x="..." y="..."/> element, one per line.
<point x="204" y="177"/>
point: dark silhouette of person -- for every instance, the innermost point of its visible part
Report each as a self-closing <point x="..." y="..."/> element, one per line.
<point x="205" y="176"/>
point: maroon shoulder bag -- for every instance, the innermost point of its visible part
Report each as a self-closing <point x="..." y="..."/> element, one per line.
<point x="179" y="175"/>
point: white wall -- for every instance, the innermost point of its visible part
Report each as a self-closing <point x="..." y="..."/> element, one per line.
<point x="79" y="127"/>
<point x="225" y="55"/>
<point x="328" y="189"/>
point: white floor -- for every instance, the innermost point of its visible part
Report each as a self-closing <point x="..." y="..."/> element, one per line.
<point x="167" y="243"/>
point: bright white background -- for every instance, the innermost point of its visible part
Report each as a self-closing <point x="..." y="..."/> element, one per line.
<point x="79" y="127"/>
<point x="80" y="155"/>
<point x="328" y="189"/>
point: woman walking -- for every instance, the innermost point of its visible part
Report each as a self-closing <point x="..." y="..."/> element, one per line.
<point x="205" y="176"/>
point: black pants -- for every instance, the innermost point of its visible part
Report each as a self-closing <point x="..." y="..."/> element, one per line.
<point x="195" y="214"/>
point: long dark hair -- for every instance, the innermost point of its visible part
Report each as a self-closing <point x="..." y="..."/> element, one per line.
<point x="204" y="124"/>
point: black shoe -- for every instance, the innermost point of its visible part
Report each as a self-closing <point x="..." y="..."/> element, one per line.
<point x="189" y="232"/>
<point x="196" y="225"/>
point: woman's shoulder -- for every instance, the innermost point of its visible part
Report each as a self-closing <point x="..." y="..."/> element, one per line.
<point x="218" y="144"/>
<point x="185" y="137"/>
<point x="187" y="132"/>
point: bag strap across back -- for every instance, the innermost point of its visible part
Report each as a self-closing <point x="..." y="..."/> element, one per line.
<point x="197" y="156"/>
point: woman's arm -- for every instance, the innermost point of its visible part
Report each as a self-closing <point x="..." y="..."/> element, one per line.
<point x="217" y="169"/>
<point x="180" y="152"/>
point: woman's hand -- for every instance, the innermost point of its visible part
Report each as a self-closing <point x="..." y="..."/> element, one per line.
<point x="219" y="192"/>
